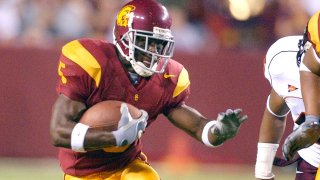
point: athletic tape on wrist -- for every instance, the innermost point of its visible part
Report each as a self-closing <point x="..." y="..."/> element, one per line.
<point x="265" y="156"/>
<point x="270" y="111"/>
<point x="205" y="132"/>
<point x="77" y="137"/>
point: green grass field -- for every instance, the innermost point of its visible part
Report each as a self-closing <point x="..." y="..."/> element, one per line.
<point x="48" y="169"/>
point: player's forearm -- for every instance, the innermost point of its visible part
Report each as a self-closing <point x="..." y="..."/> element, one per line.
<point x="189" y="120"/>
<point x="65" y="133"/>
<point x="65" y="113"/>
<point x="60" y="131"/>
<point x="97" y="138"/>
<point x="94" y="138"/>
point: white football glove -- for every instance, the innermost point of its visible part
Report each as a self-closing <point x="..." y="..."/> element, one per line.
<point x="129" y="129"/>
<point x="227" y="125"/>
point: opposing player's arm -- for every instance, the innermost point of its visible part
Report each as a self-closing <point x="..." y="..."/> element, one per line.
<point x="210" y="132"/>
<point x="65" y="112"/>
<point x="271" y="130"/>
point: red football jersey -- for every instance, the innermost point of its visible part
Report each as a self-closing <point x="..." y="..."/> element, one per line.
<point x="90" y="72"/>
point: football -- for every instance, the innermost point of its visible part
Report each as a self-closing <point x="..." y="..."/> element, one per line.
<point x="107" y="114"/>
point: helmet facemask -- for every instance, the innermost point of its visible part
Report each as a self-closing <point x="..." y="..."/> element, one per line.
<point x="148" y="52"/>
<point x="303" y="46"/>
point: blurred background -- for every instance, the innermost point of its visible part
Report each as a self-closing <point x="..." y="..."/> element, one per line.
<point x="199" y="25"/>
<point x="222" y="43"/>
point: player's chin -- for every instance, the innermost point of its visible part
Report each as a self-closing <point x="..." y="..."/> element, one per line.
<point x="143" y="57"/>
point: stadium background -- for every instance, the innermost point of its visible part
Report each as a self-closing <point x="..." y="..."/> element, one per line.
<point x="224" y="56"/>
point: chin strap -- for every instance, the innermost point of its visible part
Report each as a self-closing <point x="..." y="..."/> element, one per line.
<point x="138" y="68"/>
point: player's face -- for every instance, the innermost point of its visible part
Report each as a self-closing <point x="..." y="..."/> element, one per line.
<point x="154" y="46"/>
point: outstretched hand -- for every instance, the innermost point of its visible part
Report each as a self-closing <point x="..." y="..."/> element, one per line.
<point x="129" y="129"/>
<point x="227" y="124"/>
<point x="304" y="136"/>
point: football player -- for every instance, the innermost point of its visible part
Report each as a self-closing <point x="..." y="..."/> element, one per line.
<point x="281" y="69"/>
<point x="137" y="69"/>
<point x="309" y="132"/>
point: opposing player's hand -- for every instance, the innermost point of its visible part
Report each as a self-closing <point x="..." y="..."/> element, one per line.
<point x="129" y="129"/>
<point x="227" y="124"/>
<point x="304" y="136"/>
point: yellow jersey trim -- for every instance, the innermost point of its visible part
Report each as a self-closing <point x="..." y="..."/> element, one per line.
<point x="116" y="149"/>
<point x="81" y="56"/>
<point x="183" y="82"/>
<point x="313" y="26"/>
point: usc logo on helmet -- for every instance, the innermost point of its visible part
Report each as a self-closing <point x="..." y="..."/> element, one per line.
<point x="122" y="19"/>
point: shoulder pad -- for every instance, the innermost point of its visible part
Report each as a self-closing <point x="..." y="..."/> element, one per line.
<point x="77" y="53"/>
<point x="182" y="83"/>
<point x="178" y="75"/>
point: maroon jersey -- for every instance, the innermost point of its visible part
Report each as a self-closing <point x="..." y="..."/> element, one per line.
<point x="90" y="72"/>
